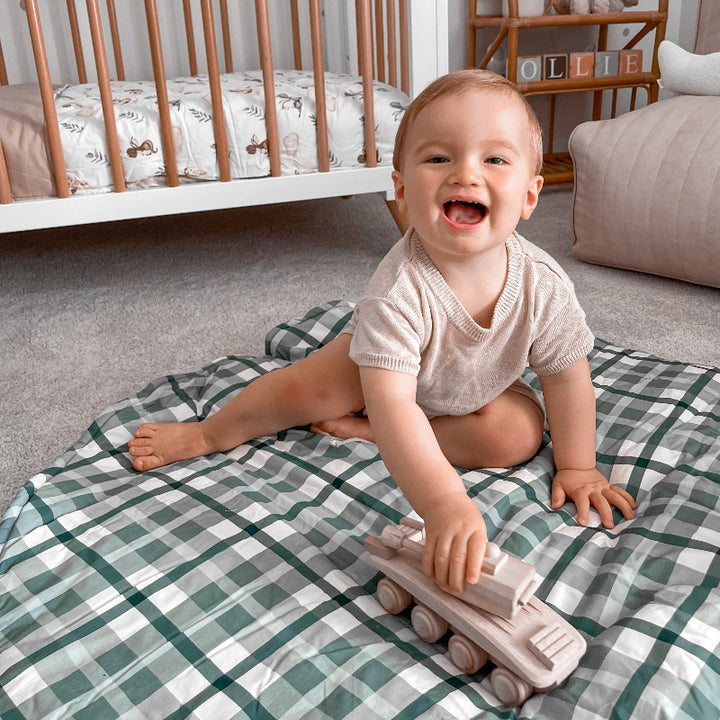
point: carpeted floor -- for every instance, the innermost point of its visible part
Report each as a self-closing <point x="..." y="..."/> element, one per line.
<point x="91" y="314"/>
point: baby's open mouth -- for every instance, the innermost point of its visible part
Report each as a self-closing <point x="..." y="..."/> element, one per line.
<point x="465" y="212"/>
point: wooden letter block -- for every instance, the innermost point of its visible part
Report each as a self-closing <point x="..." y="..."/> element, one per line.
<point x="582" y="64"/>
<point x="529" y="68"/>
<point x="606" y="63"/>
<point x="555" y="67"/>
<point x="630" y="62"/>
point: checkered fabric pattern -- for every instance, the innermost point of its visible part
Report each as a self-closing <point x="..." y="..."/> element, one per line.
<point x="236" y="585"/>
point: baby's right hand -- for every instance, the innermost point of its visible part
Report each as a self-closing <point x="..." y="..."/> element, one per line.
<point x="455" y="541"/>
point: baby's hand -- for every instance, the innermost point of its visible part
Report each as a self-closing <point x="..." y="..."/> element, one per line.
<point x="589" y="487"/>
<point x="455" y="540"/>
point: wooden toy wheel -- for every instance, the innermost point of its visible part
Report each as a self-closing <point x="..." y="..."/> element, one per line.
<point x="509" y="688"/>
<point x="428" y="625"/>
<point x="392" y="597"/>
<point x="466" y="655"/>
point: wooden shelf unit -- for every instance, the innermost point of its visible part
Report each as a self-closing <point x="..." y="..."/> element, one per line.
<point x="558" y="167"/>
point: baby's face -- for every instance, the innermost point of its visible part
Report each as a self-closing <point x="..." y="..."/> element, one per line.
<point x="467" y="173"/>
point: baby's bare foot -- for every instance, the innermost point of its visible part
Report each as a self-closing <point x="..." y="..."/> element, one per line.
<point x="349" y="426"/>
<point x="157" y="444"/>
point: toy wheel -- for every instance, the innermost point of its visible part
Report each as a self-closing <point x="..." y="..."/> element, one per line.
<point x="428" y="625"/>
<point x="392" y="597"/>
<point x="466" y="655"/>
<point x="509" y="688"/>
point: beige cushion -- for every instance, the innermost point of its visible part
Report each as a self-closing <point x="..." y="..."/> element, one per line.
<point x="22" y="134"/>
<point x="647" y="190"/>
<point x="708" y="31"/>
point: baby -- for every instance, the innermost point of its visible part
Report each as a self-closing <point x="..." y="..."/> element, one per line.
<point x="451" y="318"/>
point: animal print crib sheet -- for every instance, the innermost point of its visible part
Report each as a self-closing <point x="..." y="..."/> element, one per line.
<point x="138" y="124"/>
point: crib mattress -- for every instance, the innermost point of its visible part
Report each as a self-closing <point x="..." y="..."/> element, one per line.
<point x="236" y="585"/>
<point x="85" y="146"/>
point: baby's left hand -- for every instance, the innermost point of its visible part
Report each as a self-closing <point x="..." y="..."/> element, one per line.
<point x="589" y="487"/>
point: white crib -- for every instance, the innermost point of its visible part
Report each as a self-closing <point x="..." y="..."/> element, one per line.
<point x="44" y="57"/>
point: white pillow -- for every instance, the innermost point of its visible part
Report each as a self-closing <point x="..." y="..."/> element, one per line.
<point x="685" y="73"/>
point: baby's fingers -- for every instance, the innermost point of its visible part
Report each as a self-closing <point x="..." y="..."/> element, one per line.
<point x="622" y="500"/>
<point x="582" y="503"/>
<point x="428" y="558"/>
<point x="600" y="502"/>
<point x="557" y="498"/>
<point x="609" y="498"/>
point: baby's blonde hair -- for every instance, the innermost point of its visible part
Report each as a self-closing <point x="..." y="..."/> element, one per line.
<point x="460" y="81"/>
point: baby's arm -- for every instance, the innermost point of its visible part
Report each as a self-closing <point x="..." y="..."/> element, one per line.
<point x="455" y="530"/>
<point x="570" y="404"/>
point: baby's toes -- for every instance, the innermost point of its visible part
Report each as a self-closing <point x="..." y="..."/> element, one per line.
<point x="139" y="448"/>
<point x="146" y="430"/>
<point x="144" y="463"/>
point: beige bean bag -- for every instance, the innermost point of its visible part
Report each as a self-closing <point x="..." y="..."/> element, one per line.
<point x="647" y="189"/>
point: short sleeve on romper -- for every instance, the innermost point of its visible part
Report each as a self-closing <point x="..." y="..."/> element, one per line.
<point x="383" y="337"/>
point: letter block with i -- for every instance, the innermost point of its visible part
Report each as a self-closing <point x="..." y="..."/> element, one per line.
<point x="606" y="63"/>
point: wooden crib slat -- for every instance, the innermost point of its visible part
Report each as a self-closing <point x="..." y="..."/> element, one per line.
<point x="190" y="37"/>
<point x="404" y="48"/>
<point x="392" y="43"/>
<point x="323" y="144"/>
<point x="76" y="41"/>
<point x="48" y="99"/>
<point x="221" y="143"/>
<point x="115" y="38"/>
<point x="6" y="196"/>
<point x="106" y="95"/>
<point x="3" y="68"/>
<point x="380" y="41"/>
<point x="151" y="15"/>
<point x="227" y="45"/>
<point x="295" y="24"/>
<point x="471" y="52"/>
<point x="364" y="25"/>
<point x="262" y="20"/>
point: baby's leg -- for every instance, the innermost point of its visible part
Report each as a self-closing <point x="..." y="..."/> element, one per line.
<point x="324" y="385"/>
<point x="506" y="432"/>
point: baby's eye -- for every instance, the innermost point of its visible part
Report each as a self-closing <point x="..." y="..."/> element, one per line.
<point x="437" y="159"/>
<point x="495" y="160"/>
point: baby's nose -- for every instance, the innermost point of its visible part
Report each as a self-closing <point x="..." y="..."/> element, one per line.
<point x="467" y="172"/>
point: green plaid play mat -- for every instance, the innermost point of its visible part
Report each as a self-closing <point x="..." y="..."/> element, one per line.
<point x="236" y="586"/>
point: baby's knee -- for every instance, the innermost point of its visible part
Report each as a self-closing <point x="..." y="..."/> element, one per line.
<point x="515" y="437"/>
<point x="522" y="445"/>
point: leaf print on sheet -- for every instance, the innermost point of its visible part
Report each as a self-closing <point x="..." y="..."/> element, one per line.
<point x="255" y="111"/>
<point x="97" y="157"/>
<point x="132" y="116"/>
<point x="200" y="115"/>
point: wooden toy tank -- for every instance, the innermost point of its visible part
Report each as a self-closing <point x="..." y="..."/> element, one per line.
<point x="499" y="619"/>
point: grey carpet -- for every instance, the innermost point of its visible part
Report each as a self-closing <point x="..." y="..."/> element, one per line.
<point x="92" y="313"/>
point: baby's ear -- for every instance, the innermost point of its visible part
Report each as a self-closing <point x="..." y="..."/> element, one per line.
<point x="399" y="188"/>
<point x="532" y="196"/>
